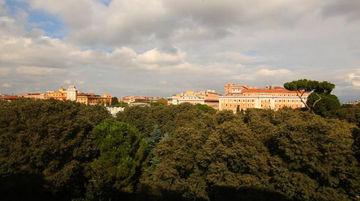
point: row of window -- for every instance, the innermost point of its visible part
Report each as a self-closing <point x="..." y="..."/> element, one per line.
<point x="240" y="105"/>
<point x="267" y="94"/>
<point x="262" y="105"/>
<point x="296" y="100"/>
<point x="252" y="100"/>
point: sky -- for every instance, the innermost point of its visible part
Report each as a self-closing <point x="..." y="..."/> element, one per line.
<point x="162" y="47"/>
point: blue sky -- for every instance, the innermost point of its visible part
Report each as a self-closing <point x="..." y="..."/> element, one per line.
<point x="36" y="18"/>
<point x="161" y="47"/>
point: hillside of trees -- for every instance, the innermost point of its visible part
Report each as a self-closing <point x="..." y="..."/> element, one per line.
<point x="53" y="150"/>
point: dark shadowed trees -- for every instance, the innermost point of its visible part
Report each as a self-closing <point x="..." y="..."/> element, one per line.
<point x="288" y="155"/>
<point x="51" y="150"/>
<point x="303" y="86"/>
<point x="325" y="105"/>
<point x="49" y="142"/>
<point x="116" y="168"/>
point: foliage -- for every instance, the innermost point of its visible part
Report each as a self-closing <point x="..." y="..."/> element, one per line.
<point x="323" y="87"/>
<point x="356" y="144"/>
<point x="320" y="101"/>
<point x="120" y="104"/>
<point x="306" y="158"/>
<point x="49" y="141"/>
<point x="325" y="103"/>
<point x="114" y="101"/>
<point x="161" y="101"/>
<point x="62" y="150"/>
<point x="205" y="108"/>
<point x="121" y="152"/>
<point x="319" y="149"/>
<point x="350" y="113"/>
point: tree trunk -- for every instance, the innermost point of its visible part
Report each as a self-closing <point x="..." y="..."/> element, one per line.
<point x="300" y="95"/>
<point x="316" y="102"/>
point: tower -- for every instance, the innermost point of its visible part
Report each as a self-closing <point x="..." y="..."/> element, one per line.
<point x="71" y="93"/>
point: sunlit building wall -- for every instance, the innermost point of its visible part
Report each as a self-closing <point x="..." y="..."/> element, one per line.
<point x="207" y="97"/>
<point x="241" y="97"/>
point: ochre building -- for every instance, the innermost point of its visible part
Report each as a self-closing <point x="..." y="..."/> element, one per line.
<point x="39" y="96"/>
<point x="92" y="99"/>
<point x="57" y="95"/>
<point x="241" y="97"/>
<point x="72" y="94"/>
<point x="207" y="97"/>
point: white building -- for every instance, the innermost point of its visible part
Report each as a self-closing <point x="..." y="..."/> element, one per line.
<point x="207" y="97"/>
<point x="71" y="93"/>
<point x="114" y="110"/>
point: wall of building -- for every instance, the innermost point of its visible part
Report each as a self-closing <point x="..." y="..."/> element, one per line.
<point x="242" y="97"/>
<point x="71" y="93"/>
<point x="40" y="96"/>
<point x="207" y="97"/>
<point x="114" y="110"/>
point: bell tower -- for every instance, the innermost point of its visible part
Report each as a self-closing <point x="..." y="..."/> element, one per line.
<point x="71" y="93"/>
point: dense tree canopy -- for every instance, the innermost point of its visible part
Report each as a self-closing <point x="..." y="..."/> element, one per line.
<point x="323" y="104"/>
<point x="121" y="153"/>
<point x="48" y="140"/>
<point x="310" y="86"/>
<point x="53" y="150"/>
<point x="119" y="104"/>
<point x="320" y="101"/>
<point x="306" y="158"/>
<point x="114" y="101"/>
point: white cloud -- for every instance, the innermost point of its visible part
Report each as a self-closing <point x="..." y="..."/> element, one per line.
<point x="236" y="57"/>
<point x="38" y="71"/>
<point x="67" y="82"/>
<point x="4" y="71"/>
<point x="120" y="22"/>
<point x="263" y="75"/>
<point x="155" y="56"/>
<point x="354" y="78"/>
<point x="6" y="85"/>
<point x="349" y="9"/>
<point x="136" y="21"/>
<point x="132" y="45"/>
<point x="163" y="82"/>
<point x="265" y="72"/>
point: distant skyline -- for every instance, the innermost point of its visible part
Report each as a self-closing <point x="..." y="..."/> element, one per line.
<point x="161" y="47"/>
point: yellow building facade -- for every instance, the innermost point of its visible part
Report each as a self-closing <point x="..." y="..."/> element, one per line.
<point x="71" y="94"/>
<point x="92" y="99"/>
<point x="241" y="97"/>
<point x="57" y="95"/>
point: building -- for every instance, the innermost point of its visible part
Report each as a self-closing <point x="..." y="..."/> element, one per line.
<point x="59" y="94"/>
<point x="114" y="110"/>
<point x="241" y="97"/>
<point x="133" y="99"/>
<point x="207" y="97"/>
<point x="71" y="93"/>
<point x="8" y="97"/>
<point x="37" y="96"/>
<point x="143" y="104"/>
<point x="353" y="102"/>
<point x="92" y="99"/>
<point x="233" y="89"/>
<point x="140" y="100"/>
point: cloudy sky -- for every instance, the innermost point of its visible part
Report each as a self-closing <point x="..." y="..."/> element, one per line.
<point x="160" y="47"/>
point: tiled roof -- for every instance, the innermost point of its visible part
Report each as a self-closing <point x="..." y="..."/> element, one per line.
<point x="272" y="90"/>
<point x="6" y="97"/>
<point x="86" y="94"/>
